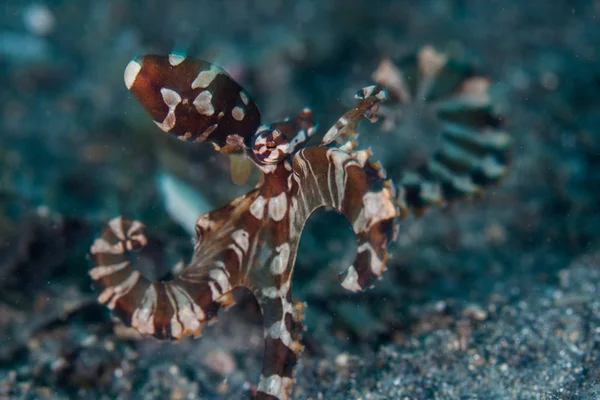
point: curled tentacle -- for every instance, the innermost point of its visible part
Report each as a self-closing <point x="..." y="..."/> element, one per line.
<point x="357" y="188"/>
<point x="194" y="100"/>
<point x="471" y="150"/>
<point x="165" y="310"/>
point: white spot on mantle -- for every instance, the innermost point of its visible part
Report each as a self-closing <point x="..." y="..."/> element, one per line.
<point x="238" y="113"/>
<point x="205" y="78"/>
<point x="131" y="72"/>
<point x="203" y="103"/>
<point x="176" y="59"/>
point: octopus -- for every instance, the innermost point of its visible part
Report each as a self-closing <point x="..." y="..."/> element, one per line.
<point x="252" y="241"/>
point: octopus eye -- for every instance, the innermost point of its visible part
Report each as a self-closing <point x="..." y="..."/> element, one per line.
<point x="269" y="147"/>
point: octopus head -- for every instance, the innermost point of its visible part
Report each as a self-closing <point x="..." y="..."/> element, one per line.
<point x="273" y="143"/>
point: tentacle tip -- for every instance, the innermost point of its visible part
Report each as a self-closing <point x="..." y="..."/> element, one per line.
<point x="349" y="280"/>
<point x="379" y="92"/>
<point x="365" y="92"/>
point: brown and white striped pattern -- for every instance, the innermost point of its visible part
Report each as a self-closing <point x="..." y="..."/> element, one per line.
<point x="166" y="310"/>
<point x="252" y="242"/>
<point x="358" y="189"/>
<point x="474" y="150"/>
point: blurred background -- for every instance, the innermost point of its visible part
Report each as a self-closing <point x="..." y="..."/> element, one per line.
<point x="495" y="297"/>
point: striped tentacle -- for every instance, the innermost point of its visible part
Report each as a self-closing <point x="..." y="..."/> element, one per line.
<point x="343" y="132"/>
<point x="165" y="310"/>
<point x="270" y="274"/>
<point x="474" y="149"/>
<point x="357" y="188"/>
<point x="226" y="241"/>
<point x="283" y="327"/>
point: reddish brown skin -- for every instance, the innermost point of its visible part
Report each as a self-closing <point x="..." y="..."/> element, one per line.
<point x="157" y="73"/>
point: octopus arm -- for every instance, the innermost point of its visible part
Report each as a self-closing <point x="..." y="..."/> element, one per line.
<point x="343" y="132"/>
<point x="356" y="187"/>
<point x="474" y="149"/>
<point x="179" y="307"/>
